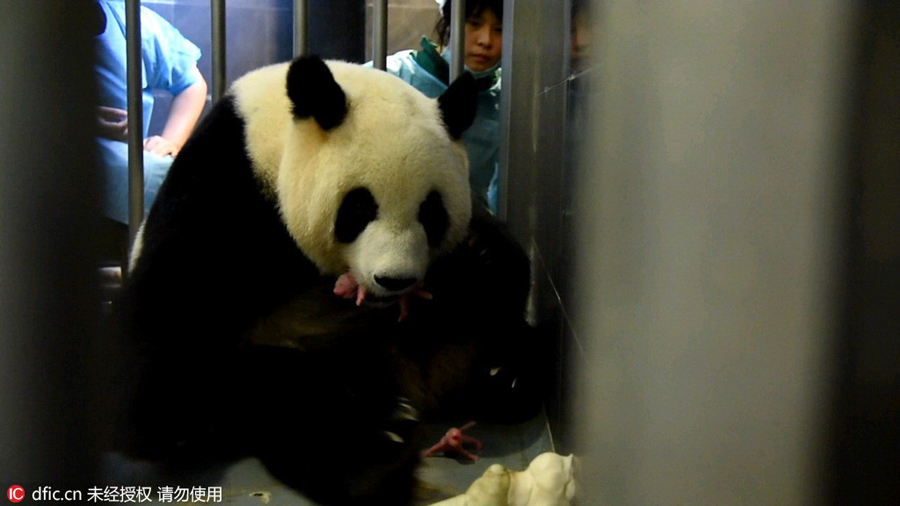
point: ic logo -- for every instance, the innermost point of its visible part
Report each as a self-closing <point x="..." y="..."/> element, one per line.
<point x="15" y="493"/>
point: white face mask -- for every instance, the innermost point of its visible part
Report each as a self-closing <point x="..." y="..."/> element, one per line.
<point x="447" y="54"/>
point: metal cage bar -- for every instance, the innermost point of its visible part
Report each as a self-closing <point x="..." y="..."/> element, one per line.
<point x="301" y="27"/>
<point x="379" y="34"/>
<point x="135" y="117"/>
<point x="457" y="38"/>
<point x="217" y="12"/>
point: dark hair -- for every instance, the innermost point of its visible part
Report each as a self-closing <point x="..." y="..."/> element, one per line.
<point x="473" y="8"/>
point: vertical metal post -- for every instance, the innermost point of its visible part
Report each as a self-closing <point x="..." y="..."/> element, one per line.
<point x="457" y="38"/>
<point x="301" y="27"/>
<point x="507" y="64"/>
<point x="135" y="116"/>
<point x="379" y="34"/>
<point x="56" y="364"/>
<point x="217" y="11"/>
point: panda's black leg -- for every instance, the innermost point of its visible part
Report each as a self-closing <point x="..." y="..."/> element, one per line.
<point x="481" y="291"/>
<point x="334" y="427"/>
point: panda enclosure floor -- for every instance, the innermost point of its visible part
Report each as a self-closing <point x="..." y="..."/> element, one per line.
<point x="246" y="482"/>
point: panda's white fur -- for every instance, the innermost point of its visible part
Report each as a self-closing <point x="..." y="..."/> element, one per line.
<point x="392" y="142"/>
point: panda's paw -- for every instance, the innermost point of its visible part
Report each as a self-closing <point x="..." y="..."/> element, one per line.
<point x="402" y="421"/>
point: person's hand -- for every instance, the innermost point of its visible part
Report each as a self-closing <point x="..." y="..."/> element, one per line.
<point x="161" y="146"/>
<point x="113" y="123"/>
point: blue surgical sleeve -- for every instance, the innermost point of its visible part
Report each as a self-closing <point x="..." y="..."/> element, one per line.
<point x="169" y="57"/>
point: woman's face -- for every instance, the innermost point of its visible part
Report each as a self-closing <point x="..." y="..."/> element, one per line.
<point x="484" y="41"/>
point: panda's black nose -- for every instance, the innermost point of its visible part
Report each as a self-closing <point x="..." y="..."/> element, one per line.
<point x="395" y="284"/>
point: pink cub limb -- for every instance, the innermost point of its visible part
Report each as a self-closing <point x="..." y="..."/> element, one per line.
<point x="405" y="298"/>
<point x="348" y="288"/>
<point x="452" y="443"/>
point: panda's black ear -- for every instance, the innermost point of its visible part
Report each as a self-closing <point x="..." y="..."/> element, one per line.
<point x="458" y="105"/>
<point x="314" y="92"/>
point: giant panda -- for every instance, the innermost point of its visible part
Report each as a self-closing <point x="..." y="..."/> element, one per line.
<point x="312" y="281"/>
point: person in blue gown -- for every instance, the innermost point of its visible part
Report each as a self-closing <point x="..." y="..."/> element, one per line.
<point x="169" y="62"/>
<point x="428" y="70"/>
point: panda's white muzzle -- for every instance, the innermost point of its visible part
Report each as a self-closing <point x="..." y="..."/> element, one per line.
<point x="388" y="262"/>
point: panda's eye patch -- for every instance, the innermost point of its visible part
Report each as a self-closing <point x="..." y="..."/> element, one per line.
<point x="434" y="217"/>
<point x="357" y="210"/>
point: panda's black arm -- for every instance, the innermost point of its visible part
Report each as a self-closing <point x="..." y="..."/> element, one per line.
<point x="213" y="240"/>
<point x="214" y="257"/>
